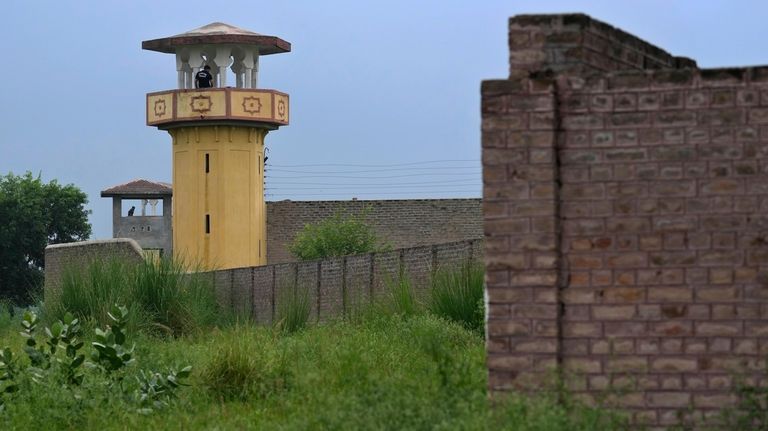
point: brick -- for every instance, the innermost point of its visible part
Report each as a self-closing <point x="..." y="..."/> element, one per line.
<point x="623" y="365"/>
<point x="667" y="293"/>
<point x="709" y="329"/>
<point x="613" y="312"/>
<point x="582" y="365"/>
<point x="507" y="328"/>
<point x="669" y="399"/>
<point x="580" y="329"/>
<point x="509" y="362"/>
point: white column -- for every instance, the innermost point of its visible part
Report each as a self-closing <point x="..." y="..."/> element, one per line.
<point x="248" y="69"/>
<point x="222" y="62"/>
<point x="179" y="70"/>
<point x="195" y="61"/>
<point x="255" y="73"/>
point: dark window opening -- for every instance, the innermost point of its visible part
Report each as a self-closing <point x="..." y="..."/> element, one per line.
<point x="207" y="163"/>
<point x="207" y="223"/>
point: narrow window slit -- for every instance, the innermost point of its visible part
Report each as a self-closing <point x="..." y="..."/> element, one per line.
<point x="207" y="223"/>
<point x="207" y="163"/>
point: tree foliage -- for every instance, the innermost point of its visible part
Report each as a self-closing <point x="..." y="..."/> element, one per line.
<point x="339" y="235"/>
<point x="32" y="215"/>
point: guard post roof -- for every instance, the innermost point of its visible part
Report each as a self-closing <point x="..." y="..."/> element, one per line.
<point x="218" y="33"/>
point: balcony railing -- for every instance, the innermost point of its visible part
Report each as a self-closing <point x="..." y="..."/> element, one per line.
<point x="234" y="104"/>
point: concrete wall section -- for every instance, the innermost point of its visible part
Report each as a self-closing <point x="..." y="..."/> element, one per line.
<point x="59" y="257"/>
<point x="402" y="223"/>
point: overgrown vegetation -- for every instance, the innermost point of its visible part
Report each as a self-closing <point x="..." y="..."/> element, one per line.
<point x="35" y="214"/>
<point x="395" y="365"/>
<point x="161" y="295"/>
<point x="54" y="360"/>
<point x="457" y="295"/>
<point x="340" y="235"/>
<point x="384" y="372"/>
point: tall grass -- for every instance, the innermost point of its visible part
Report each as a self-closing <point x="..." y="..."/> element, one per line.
<point x="399" y="296"/>
<point x="457" y="295"/>
<point x="241" y="367"/>
<point x="293" y="309"/>
<point x="162" y="295"/>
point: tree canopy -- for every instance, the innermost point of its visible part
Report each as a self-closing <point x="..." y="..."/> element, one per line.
<point x="34" y="214"/>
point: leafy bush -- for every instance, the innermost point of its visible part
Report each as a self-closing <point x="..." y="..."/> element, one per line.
<point x="162" y="295"/>
<point x="457" y="295"/>
<point x="48" y="368"/>
<point x="339" y="235"/>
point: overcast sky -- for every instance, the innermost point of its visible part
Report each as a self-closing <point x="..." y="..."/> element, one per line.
<point x="393" y="83"/>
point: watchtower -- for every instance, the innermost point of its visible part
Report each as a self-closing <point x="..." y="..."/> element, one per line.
<point x="150" y="228"/>
<point x="219" y="215"/>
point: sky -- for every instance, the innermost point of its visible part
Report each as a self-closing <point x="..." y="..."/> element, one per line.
<point x="385" y="95"/>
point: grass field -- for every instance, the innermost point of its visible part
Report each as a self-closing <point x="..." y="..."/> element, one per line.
<point x="399" y="365"/>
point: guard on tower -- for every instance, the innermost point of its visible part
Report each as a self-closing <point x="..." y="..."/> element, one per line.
<point x="204" y="78"/>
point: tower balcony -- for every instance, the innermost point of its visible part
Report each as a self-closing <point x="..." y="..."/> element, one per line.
<point x="167" y="109"/>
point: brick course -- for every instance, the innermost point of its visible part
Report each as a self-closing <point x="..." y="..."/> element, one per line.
<point x="646" y="214"/>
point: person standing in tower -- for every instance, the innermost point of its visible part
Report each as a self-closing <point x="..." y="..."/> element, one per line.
<point x="203" y="78"/>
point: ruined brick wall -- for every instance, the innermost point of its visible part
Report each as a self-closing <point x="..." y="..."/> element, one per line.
<point x="626" y="235"/>
<point x="577" y="43"/>
<point x="338" y="286"/>
<point x="402" y="223"/>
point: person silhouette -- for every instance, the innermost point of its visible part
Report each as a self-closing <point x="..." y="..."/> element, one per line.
<point x="203" y="78"/>
<point x="130" y="211"/>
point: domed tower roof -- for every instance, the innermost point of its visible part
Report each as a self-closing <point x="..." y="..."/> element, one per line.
<point x="218" y="33"/>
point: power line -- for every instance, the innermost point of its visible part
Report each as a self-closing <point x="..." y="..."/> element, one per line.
<point x="365" y="193"/>
<point x="355" y="185"/>
<point x="377" y="165"/>
<point x="380" y="177"/>
<point x="373" y="170"/>
<point x="314" y="183"/>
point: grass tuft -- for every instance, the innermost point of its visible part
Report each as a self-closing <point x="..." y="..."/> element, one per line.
<point x="293" y="310"/>
<point x="458" y="296"/>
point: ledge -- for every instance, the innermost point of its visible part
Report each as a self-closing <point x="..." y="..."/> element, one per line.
<point x="168" y="108"/>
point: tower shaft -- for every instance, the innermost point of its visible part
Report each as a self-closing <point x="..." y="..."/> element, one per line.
<point x="219" y="212"/>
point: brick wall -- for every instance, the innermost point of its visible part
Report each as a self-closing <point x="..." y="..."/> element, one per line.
<point x="336" y="286"/>
<point x="626" y="234"/>
<point x="577" y="43"/>
<point x="402" y="223"/>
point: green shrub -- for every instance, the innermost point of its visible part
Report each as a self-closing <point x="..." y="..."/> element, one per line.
<point x="457" y="295"/>
<point x="161" y="295"/>
<point x="293" y="310"/>
<point x="339" y="235"/>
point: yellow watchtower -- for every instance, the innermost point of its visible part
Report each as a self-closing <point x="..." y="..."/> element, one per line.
<point x="219" y="216"/>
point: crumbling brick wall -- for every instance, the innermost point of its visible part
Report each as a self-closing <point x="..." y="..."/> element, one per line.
<point x="625" y="224"/>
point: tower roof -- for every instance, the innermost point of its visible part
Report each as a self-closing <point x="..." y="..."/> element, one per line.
<point x="217" y="33"/>
<point x="139" y="189"/>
